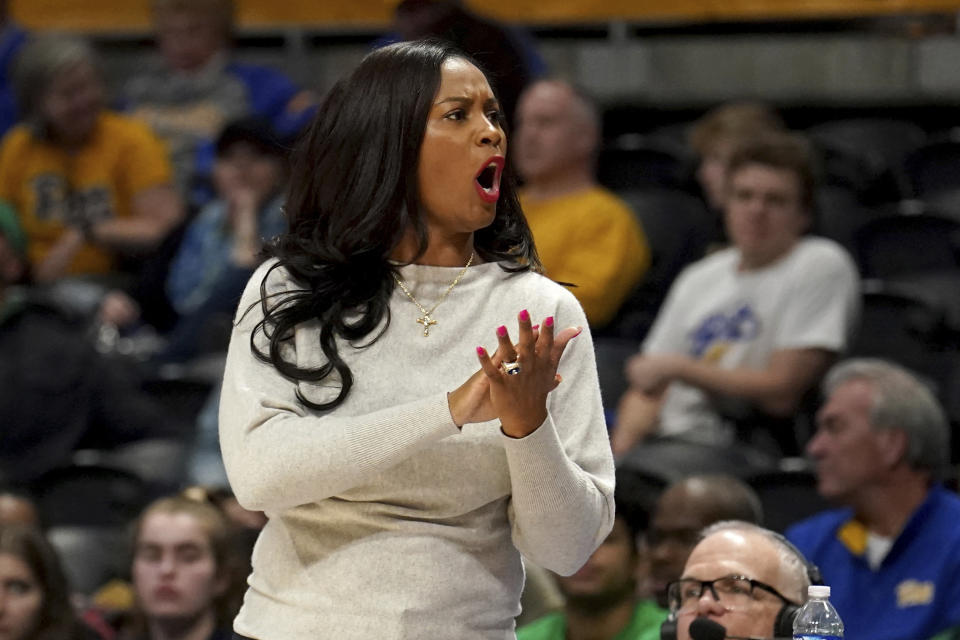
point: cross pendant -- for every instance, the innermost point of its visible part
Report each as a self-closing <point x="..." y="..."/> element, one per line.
<point x="426" y="321"/>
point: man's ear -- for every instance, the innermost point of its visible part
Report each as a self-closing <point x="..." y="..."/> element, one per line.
<point x="893" y="445"/>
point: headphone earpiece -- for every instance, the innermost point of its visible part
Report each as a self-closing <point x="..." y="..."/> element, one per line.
<point x="783" y="624"/>
<point x="668" y="628"/>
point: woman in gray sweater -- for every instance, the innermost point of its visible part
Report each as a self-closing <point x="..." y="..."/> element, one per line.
<point x="375" y="405"/>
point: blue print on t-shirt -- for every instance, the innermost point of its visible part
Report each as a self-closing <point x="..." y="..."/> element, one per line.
<point x="741" y="325"/>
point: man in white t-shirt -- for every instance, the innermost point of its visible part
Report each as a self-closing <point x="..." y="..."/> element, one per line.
<point x="750" y="329"/>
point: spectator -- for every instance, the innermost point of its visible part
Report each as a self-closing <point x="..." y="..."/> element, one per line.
<point x="89" y="185"/>
<point x="746" y="332"/>
<point x="12" y="39"/>
<point x="585" y="235"/>
<point x="601" y="602"/>
<point x="746" y="578"/>
<point x="184" y="571"/>
<point x="507" y="54"/>
<point x="221" y="246"/>
<point x="950" y="634"/>
<point x="681" y="512"/>
<point x="17" y="509"/>
<point x="57" y="394"/>
<point x="34" y="597"/>
<point x="195" y="88"/>
<point x="716" y="136"/>
<point x="892" y="554"/>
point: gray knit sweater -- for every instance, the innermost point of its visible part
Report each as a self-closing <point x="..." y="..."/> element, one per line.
<point x="385" y="520"/>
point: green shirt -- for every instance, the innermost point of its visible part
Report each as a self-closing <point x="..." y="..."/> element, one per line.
<point x="950" y="634"/>
<point x="644" y="625"/>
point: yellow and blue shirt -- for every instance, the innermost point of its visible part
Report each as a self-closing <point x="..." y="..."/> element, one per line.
<point x="913" y="594"/>
<point x="52" y="188"/>
<point x="590" y="238"/>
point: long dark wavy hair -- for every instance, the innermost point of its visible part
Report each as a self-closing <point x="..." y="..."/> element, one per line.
<point x="353" y="197"/>
<point x="56" y="619"/>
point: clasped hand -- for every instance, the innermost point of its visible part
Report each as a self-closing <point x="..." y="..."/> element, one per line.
<point x="519" y="401"/>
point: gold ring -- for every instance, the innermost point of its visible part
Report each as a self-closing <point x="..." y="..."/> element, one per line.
<point x="510" y="368"/>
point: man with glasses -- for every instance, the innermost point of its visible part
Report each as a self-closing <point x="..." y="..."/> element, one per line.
<point x="741" y="576"/>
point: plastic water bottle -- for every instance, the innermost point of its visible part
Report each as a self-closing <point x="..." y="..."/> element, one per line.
<point x="817" y="619"/>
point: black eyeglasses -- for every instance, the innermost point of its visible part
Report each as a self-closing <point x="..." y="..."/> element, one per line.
<point x="731" y="591"/>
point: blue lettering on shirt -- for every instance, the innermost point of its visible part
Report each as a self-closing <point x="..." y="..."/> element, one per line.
<point x="741" y="325"/>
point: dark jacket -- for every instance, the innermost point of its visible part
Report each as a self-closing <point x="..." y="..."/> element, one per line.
<point x="58" y="394"/>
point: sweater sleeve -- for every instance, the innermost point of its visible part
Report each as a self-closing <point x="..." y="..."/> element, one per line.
<point x="562" y="474"/>
<point x="279" y="453"/>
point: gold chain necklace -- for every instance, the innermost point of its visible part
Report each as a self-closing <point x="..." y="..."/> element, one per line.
<point x="426" y="319"/>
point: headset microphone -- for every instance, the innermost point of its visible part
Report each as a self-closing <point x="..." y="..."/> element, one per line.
<point x="707" y="629"/>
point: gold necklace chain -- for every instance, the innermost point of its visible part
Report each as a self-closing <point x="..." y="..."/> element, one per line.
<point x="426" y="319"/>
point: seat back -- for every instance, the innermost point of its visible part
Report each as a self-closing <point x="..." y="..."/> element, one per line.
<point x="866" y="151"/>
<point x="897" y="245"/>
<point x="633" y="162"/>
<point x="89" y="495"/>
<point x="903" y="328"/>
<point x="678" y="228"/>
<point x="787" y="496"/>
<point x="839" y="214"/>
<point x="934" y="167"/>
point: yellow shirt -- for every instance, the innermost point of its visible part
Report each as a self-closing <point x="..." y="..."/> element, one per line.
<point x="51" y="188"/>
<point x="591" y="239"/>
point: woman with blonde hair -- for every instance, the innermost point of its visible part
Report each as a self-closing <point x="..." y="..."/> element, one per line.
<point x="184" y="570"/>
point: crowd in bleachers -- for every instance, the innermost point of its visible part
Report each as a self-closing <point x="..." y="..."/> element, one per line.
<point x="130" y="224"/>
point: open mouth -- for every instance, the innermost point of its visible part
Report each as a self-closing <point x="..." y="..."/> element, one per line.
<point x="487" y="179"/>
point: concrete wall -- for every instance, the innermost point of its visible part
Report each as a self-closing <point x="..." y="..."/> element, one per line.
<point x="841" y="69"/>
<point x="672" y="71"/>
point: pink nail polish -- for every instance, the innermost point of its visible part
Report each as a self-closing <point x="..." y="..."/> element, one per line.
<point x="536" y="326"/>
<point x="549" y="321"/>
<point x="524" y="316"/>
<point x="481" y="351"/>
<point x="501" y="331"/>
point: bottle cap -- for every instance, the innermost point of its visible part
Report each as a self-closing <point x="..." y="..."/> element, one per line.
<point x="818" y="591"/>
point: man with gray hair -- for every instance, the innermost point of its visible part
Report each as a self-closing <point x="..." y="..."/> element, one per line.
<point x="892" y="554"/>
<point x="585" y="234"/>
<point x="740" y="580"/>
